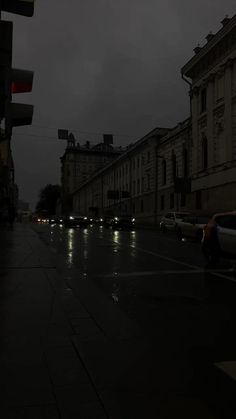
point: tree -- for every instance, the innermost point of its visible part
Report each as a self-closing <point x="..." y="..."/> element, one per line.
<point x="48" y="197"/>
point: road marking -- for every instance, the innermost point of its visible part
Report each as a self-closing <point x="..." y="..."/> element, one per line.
<point x="194" y="267"/>
<point x="167" y="272"/>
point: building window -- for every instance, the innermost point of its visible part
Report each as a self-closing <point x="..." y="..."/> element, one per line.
<point x="163" y="172"/>
<point x="162" y="202"/>
<point x="203" y="100"/>
<point x="133" y="163"/>
<point x="148" y="182"/>
<point x="142" y="160"/>
<point x="133" y="208"/>
<point x="199" y="200"/>
<point x="141" y="206"/>
<point x="204" y="152"/>
<point x="148" y="157"/>
<point x="138" y="186"/>
<point x="142" y="184"/>
<point x="172" y="200"/>
<point x="174" y="167"/>
<point x="183" y="199"/>
<point x="138" y="162"/>
<point x="134" y="187"/>
<point x="185" y="162"/>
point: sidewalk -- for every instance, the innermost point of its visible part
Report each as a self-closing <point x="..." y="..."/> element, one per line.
<point x="68" y="352"/>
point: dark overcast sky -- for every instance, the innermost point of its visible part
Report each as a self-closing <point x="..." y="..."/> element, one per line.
<point x="103" y="66"/>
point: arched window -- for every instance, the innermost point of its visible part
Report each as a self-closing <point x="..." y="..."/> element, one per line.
<point x="174" y="166"/>
<point x="185" y="162"/>
<point x="204" y="152"/>
<point x="163" y="172"/>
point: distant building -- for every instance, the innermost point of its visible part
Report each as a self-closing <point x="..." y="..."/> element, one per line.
<point x="23" y="206"/>
<point x="80" y="162"/>
<point x="127" y="185"/>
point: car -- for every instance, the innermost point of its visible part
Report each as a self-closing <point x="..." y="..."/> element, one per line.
<point x="219" y="237"/>
<point x="54" y="219"/>
<point x="170" y="220"/>
<point x="76" y="220"/>
<point x="123" y="222"/>
<point x="99" y="221"/>
<point x="108" y="220"/>
<point x="191" y="227"/>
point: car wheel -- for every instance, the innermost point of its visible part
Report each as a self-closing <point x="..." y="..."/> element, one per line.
<point x="211" y="255"/>
<point x="179" y="234"/>
<point x="199" y="236"/>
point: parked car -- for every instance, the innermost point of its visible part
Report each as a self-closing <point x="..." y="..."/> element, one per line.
<point x="219" y="236"/>
<point x="191" y="226"/>
<point x="123" y="222"/>
<point x="76" y="220"/>
<point x="171" y="219"/>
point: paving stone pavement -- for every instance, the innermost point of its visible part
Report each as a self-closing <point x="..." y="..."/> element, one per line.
<point x="68" y="352"/>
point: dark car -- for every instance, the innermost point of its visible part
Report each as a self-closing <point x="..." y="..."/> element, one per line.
<point x="108" y="221"/>
<point x="54" y="219"/>
<point x="123" y="222"/>
<point x="76" y="220"/>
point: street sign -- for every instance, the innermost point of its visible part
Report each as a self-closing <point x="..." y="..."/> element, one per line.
<point x="19" y="7"/>
<point x="125" y="194"/>
<point x="108" y="139"/>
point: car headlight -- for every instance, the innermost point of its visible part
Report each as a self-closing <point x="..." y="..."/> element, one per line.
<point x="72" y="218"/>
<point x="133" y="220"/>
<point x="60" y="221"/>
<point x="116" y="219"/>
<point x="101" y="219"/>
<point x="85" y="218"/>
<point x="53" y="221"/>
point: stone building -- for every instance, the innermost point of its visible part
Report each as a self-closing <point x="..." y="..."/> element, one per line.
<point x="80" y="162"/>
<point x="135" y="183"/>
<point x="191" y="167"/>
<point x="212" y="72"/>
<point x="174" y="167"/>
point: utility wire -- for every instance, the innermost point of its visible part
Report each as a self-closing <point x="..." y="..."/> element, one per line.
<point x="86" y="132"/>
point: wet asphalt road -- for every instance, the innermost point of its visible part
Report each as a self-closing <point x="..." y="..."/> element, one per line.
<point x="156" y="280"/>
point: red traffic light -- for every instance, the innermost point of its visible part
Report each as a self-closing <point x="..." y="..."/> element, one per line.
<point x="21" y="81"/>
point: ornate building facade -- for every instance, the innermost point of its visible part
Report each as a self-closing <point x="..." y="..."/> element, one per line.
<point x="212" y="72"/>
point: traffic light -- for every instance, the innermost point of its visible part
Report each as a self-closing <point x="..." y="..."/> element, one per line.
<point x="6" y="29"/>
<point x="19" y="7"/>
<point x="21" y="81"/>
<point x="13" y="80"/>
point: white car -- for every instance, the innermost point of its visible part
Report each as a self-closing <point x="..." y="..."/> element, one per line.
<point x="219" y="236"/>
<point x="171" y="219"/>
<point x="191" y="227"/>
